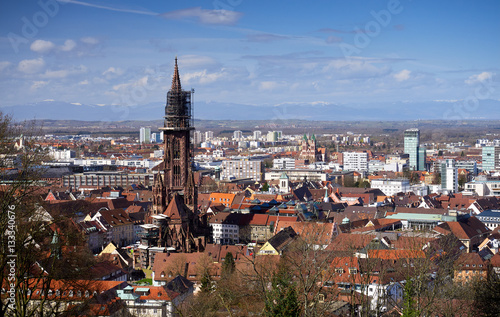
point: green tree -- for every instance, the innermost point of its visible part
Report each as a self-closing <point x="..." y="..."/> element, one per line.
<point x="282" y="300"/>
<point x="32" y="253"/>
<point x="409" y="303"/>
<point x="487" y="296"/>
<point x="206" y="283"/>
<point x="265" y="187"/>
<point x="228" y="266"/>
<point x="437" y="178"/>
<point x="462" y="179"/>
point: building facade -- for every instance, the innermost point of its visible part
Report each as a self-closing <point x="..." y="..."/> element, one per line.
<point x="412" y="148"/>
<point x="355" y="161"/>
<point x="232" y="169"/>
<point x="391" y="187"/>
<point x="449" y="176"/>
<point x="491" y="158"/>
<point x="145" y="135"/>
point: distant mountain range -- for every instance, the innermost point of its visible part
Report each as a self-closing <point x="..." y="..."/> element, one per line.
<point x="430" y="110"/>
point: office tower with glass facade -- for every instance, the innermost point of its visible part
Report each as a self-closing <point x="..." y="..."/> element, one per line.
<point x="411" y="146"/>
<point x="491" y="158"/>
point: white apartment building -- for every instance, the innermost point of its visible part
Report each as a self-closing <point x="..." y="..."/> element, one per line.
<point x="355" y="161"/>
<point x="145" y="135"/>
<point x="391" y="187"/>
<point x="209" y="135"/>
<point x="257" y="135"/>
<point x="60" y="155"/>
<point x="483" y="187"/>
<point x="284" y="163"/>
<point x="449" y="176"/>
<point x="232" y="169"/>
<point x="237" y="135"/>
<point x="198" y="137"/>
<point x="225" y="229"/>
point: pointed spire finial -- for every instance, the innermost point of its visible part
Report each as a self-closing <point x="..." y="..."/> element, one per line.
<point x="176" y="80"/>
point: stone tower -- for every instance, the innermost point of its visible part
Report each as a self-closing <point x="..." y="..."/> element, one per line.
<point x="175" y="174"/>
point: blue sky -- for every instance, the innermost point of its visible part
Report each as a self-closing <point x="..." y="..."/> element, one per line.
<point x="249" y="52"/>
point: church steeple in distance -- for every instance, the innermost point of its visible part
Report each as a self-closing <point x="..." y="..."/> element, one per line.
<point x="178" y="107"/>
<point x="176" y="80"/>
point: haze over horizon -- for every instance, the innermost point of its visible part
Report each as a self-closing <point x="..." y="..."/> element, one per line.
<point x="440" y="57"/>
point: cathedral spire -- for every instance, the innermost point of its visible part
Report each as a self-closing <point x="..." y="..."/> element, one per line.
<point x="176" y="80"/>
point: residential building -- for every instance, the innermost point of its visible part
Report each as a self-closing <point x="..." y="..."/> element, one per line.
<point x="355" y="161"/>
<point x="284" y="163"/>
<point x="60" y="155"/>
<point x="103" y="179"/>
<point x="491" y="218"/>
<point x="449" y="176"/>
<point x="470" y="166"/>
<point x="483" y="187"/>
<point x="257" y="135"/>
<point x="390" y="187"/>
<point x="469" y="267"/>
<point x="145" y="135"/>
<point x="118" y="225"/>
<point x="147" y="300"/>
<point x="297" y="174"/>
<point x="253" y="169"/>
<point x="237" y="135"/>
<point x="279" y="242"/>
<point x="225" y="228"/>
<point x="209" y="135"/>
<point x="491" y="158"/>
<point x="197" y="137"/>
<point x="272" y="136"/>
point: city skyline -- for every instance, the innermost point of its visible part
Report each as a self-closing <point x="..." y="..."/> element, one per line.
<point x="253" y="53"/>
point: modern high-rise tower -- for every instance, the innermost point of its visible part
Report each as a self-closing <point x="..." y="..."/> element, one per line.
<point x="414" y="150"/>
<point x="449" y="176"/>
<point x="491" y="158"/>
<point x="411" y="144"/>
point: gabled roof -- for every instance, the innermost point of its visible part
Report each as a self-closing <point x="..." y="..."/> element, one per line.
<point x="283" y="238"/>
<point x="116" y="217"/>
<point x="464" y="229"/>
<point x="176" y="209"/>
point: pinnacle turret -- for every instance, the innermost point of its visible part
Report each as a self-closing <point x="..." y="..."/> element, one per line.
<point x="176" y="80"/>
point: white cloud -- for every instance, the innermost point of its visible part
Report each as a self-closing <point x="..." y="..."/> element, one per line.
<point x="203" y="77"/>
<point x="188" y="61"/>
<point x="84" y="82"/>
<point x="269" y="85"/>
<point x="340" y="68"/>
<point x="402" y="75"/>
<point x="139" y="83"/>
<point x="204" y="16"/>
<point x="76" y="103"/>
<point x="113" y="72"/>
<point x="69" y="45"/>
<point x="89" y="40"/>
<point x="31" y="66"/>
<point x="4" y="65"/>
<point x="479" y="78"/>
<point x="38" y="84"/>
<point x="63" y="73"/>
<point x="82" y="3"/>
<point x="41" y="46"/>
